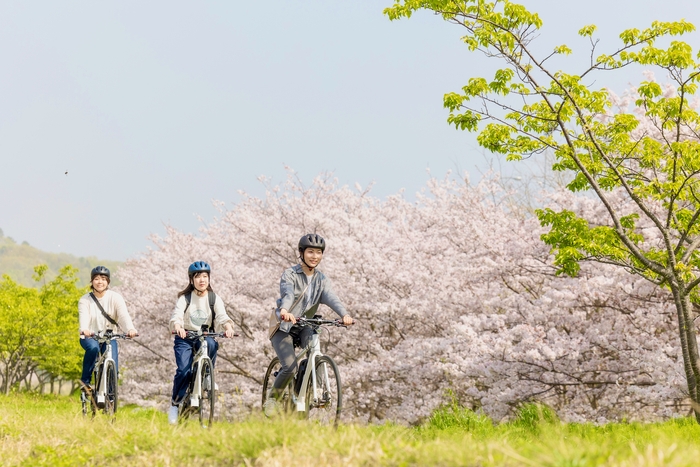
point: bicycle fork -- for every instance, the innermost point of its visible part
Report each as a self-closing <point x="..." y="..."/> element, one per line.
<point x="314" y="352"/>
<point x="197" y="386"/>
<point x="102" y="385"/>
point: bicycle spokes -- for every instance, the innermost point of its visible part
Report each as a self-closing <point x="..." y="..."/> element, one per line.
<point x="323" y="395"/>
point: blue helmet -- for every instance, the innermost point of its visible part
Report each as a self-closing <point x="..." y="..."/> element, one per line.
<point x="99" y="271"/>
<point x="198" y="266"/>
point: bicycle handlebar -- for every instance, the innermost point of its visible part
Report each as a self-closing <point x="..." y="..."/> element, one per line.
<point x="191" y="334"/>
<point x="321" y="322"/>
<point x="110" y="336"/>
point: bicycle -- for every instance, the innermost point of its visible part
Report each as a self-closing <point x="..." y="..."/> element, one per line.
<point x="315" y="389"/>
<point x="201" y="391"/>
<point x="103" y="391"/>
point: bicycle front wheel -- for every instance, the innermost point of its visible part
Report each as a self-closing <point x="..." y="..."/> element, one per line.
<point x="111" y="389"/>
<point x="326" y="406"/>
<point x="206" y="403"/>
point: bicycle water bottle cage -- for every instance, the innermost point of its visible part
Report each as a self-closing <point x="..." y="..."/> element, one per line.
<point x="299" y="377"/>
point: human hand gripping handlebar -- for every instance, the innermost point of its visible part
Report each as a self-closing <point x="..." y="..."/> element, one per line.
<point x="107" y="335"/>
<point x="193" y="334"/>
<point x="338" y="322"/>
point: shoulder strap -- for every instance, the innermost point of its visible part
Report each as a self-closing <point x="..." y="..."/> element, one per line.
<point x="303" y="292"/>
<point x="212" y="301"/>
<point x="104" y="313"/>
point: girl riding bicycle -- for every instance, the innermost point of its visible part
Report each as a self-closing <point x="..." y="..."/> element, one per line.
<point x="302" y="289"/>
<point x="98" y="311"/>
<point x="197" y="308"/>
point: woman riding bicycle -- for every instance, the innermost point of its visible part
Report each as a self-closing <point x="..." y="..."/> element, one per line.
<point x="201" y="310"/>
<point x="98" y="311"/>
<point x="302" y="288"/>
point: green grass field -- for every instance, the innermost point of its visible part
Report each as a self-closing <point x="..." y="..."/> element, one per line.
<point x="50" y="430"/>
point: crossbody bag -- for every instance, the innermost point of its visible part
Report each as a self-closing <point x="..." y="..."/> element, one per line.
<point x="104" y="313"/>
<point x="274" y="322"/>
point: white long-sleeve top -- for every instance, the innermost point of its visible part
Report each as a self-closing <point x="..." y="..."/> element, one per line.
<point x="199" y="313"/>
<point x="91" y="317"/>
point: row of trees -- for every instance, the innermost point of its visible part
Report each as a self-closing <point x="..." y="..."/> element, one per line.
<point x="38" y="332"/>
<point x="455" y="296"/>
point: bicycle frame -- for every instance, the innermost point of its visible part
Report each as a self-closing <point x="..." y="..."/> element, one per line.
<point x="101" y="375"/>
<point x="319" y="396"/>
<point x="196" y="385"/>
<point x="313" y="349"/>
<point x="102" y="361"/>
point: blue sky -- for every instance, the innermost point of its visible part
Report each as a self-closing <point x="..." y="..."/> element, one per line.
<point x="156" y="108"/>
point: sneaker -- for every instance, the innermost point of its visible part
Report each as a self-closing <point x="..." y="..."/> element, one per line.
<point x="85" y="388"/>
<point x="172" y="414"/>
<point x="271" y="407"/>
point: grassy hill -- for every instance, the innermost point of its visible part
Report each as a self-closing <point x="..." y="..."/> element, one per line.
<point x="18" y="261"/>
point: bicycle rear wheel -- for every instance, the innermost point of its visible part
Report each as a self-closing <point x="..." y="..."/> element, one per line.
<point x="325" y="408"/>
<point x="284" y="401"/>
<point x="111" y="389"/>
<point x="206" y="402"/>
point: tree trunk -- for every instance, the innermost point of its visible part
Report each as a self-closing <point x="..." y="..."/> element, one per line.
<point x="689" y="347"/>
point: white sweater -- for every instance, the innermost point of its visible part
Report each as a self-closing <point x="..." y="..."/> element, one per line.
<point x="198" y="313"/>
<point x="92" y="318"/>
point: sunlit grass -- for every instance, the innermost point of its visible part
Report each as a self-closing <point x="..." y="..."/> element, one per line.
<point x="50" y="430"/>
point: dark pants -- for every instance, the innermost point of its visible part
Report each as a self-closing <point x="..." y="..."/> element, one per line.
<point x="184" y="354"/>
<point x="283" y="343"/>
<point x="92" y="350"/>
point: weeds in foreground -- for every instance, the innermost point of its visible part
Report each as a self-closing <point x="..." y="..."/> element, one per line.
<point x="50" y="430"/>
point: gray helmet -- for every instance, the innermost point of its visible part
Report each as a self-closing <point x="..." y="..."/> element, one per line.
<point x="99" y="271"/>
<point x="312" y="241"/>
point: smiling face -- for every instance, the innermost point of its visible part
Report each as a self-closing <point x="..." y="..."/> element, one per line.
<point x="201" y="281"/>
<point x="312" y="256"/>
<point x="100" y="283"/>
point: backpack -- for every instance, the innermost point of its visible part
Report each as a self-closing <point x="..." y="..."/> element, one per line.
<point x="212" y="300"/>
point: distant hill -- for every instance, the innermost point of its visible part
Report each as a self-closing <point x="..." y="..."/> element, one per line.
<point x="18" y="261"/>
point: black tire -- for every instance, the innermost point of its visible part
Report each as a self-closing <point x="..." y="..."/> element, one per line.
<point x="111" y="388"/>
<point x="206" y="402"/>
<point x="325" y="409"/>
<point x="85" y="403"/>
<point x="272" y="370"/>
<point x="185" y="408"/>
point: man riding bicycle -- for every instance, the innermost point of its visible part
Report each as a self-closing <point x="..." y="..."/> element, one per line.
<point x="302" y="289"/>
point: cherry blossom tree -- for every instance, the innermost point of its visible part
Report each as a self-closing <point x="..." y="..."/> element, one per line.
<point x="641" y="166"/>
<point x="454" y="293"/>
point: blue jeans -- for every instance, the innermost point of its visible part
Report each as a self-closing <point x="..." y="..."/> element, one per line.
<point x="184" y="354"/>
<point x="92" y="350"/>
